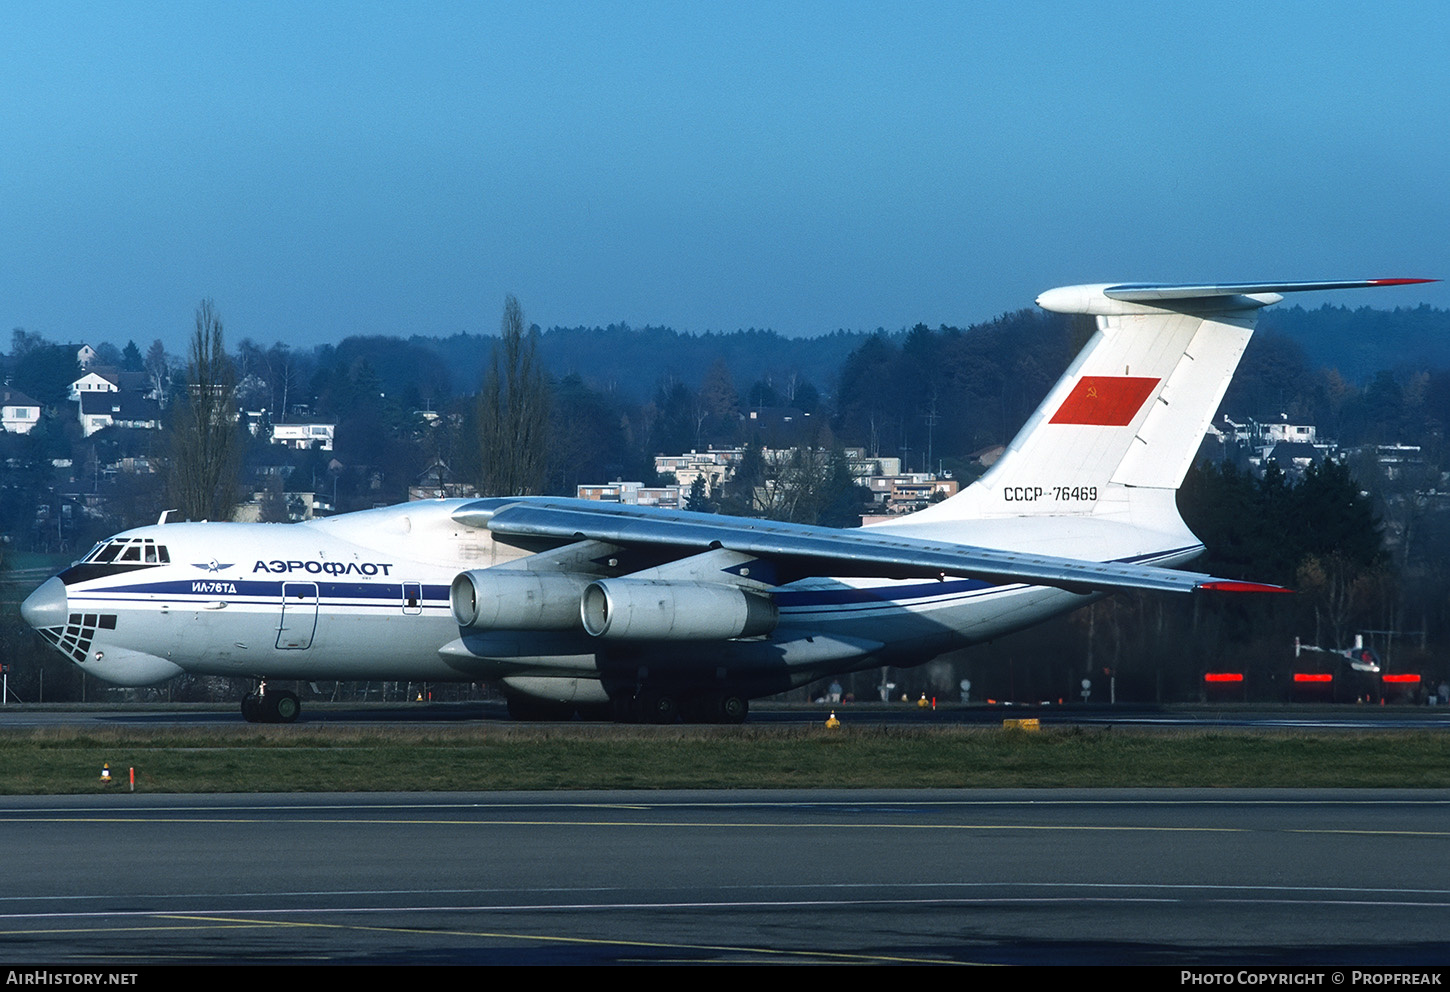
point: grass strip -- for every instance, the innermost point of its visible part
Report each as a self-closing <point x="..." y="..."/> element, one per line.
<point x="48" y="761"/>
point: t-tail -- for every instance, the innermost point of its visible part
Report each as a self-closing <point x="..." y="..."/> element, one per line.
<point x="1117" y="433"/>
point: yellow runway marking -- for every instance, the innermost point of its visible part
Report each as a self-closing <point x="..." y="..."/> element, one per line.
<point x="601" y="942"/>
<point x="199" y="923"/>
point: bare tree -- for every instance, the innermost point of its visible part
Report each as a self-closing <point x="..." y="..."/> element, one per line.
<point x="283" y="373"/>
<point x="158" y="370"/>
<point x="273" y="502"/>
<point x="809" y="485"/>
<point x="206" y="450"/>
<point x="513" y="412"/>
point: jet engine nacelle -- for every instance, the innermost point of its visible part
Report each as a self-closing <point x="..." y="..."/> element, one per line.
<point x="514" y="599"/>
<point x="651" y="610"/>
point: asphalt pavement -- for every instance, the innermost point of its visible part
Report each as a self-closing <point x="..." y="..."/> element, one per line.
<point x="945" y="877"/>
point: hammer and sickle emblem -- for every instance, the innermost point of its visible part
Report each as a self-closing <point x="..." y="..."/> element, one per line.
<point x="1092" y="392"/>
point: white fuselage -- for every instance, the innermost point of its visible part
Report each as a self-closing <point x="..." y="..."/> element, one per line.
<point x="366" y="596"/>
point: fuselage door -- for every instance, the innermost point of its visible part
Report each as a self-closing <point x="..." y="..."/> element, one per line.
<point x="299" y="615"/>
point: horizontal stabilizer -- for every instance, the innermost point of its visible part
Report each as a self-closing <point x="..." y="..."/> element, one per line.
<point x="1116" y="299"/>
<point x="1147" y="292"/>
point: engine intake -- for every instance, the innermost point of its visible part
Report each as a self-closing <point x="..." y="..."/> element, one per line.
<point x="650" y="610"/>
<point x="514" y="599"/>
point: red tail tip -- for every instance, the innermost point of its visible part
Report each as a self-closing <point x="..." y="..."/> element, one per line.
<point x="1226" y="585"/>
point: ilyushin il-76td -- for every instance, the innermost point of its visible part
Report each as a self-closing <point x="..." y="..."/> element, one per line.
<point x="632" y="613"/>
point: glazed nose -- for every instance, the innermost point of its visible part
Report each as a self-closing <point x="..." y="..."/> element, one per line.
<point x="46" y="607"/>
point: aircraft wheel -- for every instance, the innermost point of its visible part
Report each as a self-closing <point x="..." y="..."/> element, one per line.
<point x="283" y="707"/>
<point x="733" y="709"/>
<point x="663" y="708"/>
<point x="251" y="708"/>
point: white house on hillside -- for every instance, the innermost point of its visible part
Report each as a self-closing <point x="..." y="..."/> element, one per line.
<point x="18" y="413"/>
<point x="94" y="382"/>
<point x="301" y="436"/>
<point x="100" y="410"/>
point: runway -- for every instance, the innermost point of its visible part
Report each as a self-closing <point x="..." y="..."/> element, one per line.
<point x="1297" y="717"/>
<point x="959" y="877"/>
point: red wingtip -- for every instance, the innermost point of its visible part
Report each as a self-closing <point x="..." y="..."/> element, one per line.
<point x="1226" y="585"/>
<point x="1399" y="282"/>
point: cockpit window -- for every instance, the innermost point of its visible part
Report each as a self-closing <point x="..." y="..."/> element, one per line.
<point x="128" y="550"/>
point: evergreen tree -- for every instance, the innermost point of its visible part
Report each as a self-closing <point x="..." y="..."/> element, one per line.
<point x="45" y="372"/>
<point x="699" y="499"/>
<point x="720" y="404"/>
<point x="513" y="412"/>
<point x="206" y="448"/>
<point x="1264" y="530"/>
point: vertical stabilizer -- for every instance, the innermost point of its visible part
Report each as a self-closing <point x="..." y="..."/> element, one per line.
<point x="1117" y="433"/>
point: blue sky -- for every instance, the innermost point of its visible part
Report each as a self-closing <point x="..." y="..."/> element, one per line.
<point x="326" y="169"/>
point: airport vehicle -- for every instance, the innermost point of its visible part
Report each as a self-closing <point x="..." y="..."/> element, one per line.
<point x="638" y="614"/>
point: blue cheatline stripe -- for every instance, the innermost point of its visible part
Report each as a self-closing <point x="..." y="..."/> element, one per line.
<point x="120" y="602"/>
<point x="264" y="591"/>
<point x="375" y="593"/>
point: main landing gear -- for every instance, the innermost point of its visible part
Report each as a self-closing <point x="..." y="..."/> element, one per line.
<point x="276" y="706"/>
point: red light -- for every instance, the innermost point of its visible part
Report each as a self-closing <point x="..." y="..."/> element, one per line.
<point x="1401" y="678"/>
<point x="1224" y="677"/>
<point x="1312" y="677"/>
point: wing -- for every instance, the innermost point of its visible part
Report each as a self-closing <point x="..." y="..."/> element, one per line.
<point x="800" y="550"/>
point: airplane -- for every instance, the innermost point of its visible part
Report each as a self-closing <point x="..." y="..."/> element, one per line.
<point x="629" y="613"/>
<point x="1360" y="658"/>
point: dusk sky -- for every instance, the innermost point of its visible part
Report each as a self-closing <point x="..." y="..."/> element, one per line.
<point x="328" y="169"/>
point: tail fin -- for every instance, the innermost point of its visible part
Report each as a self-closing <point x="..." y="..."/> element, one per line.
<point x="1117" y="433"/>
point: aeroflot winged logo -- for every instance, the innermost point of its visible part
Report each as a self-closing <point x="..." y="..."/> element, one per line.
<point x="1105" y="400"/>
<point x="212" y="566"/>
